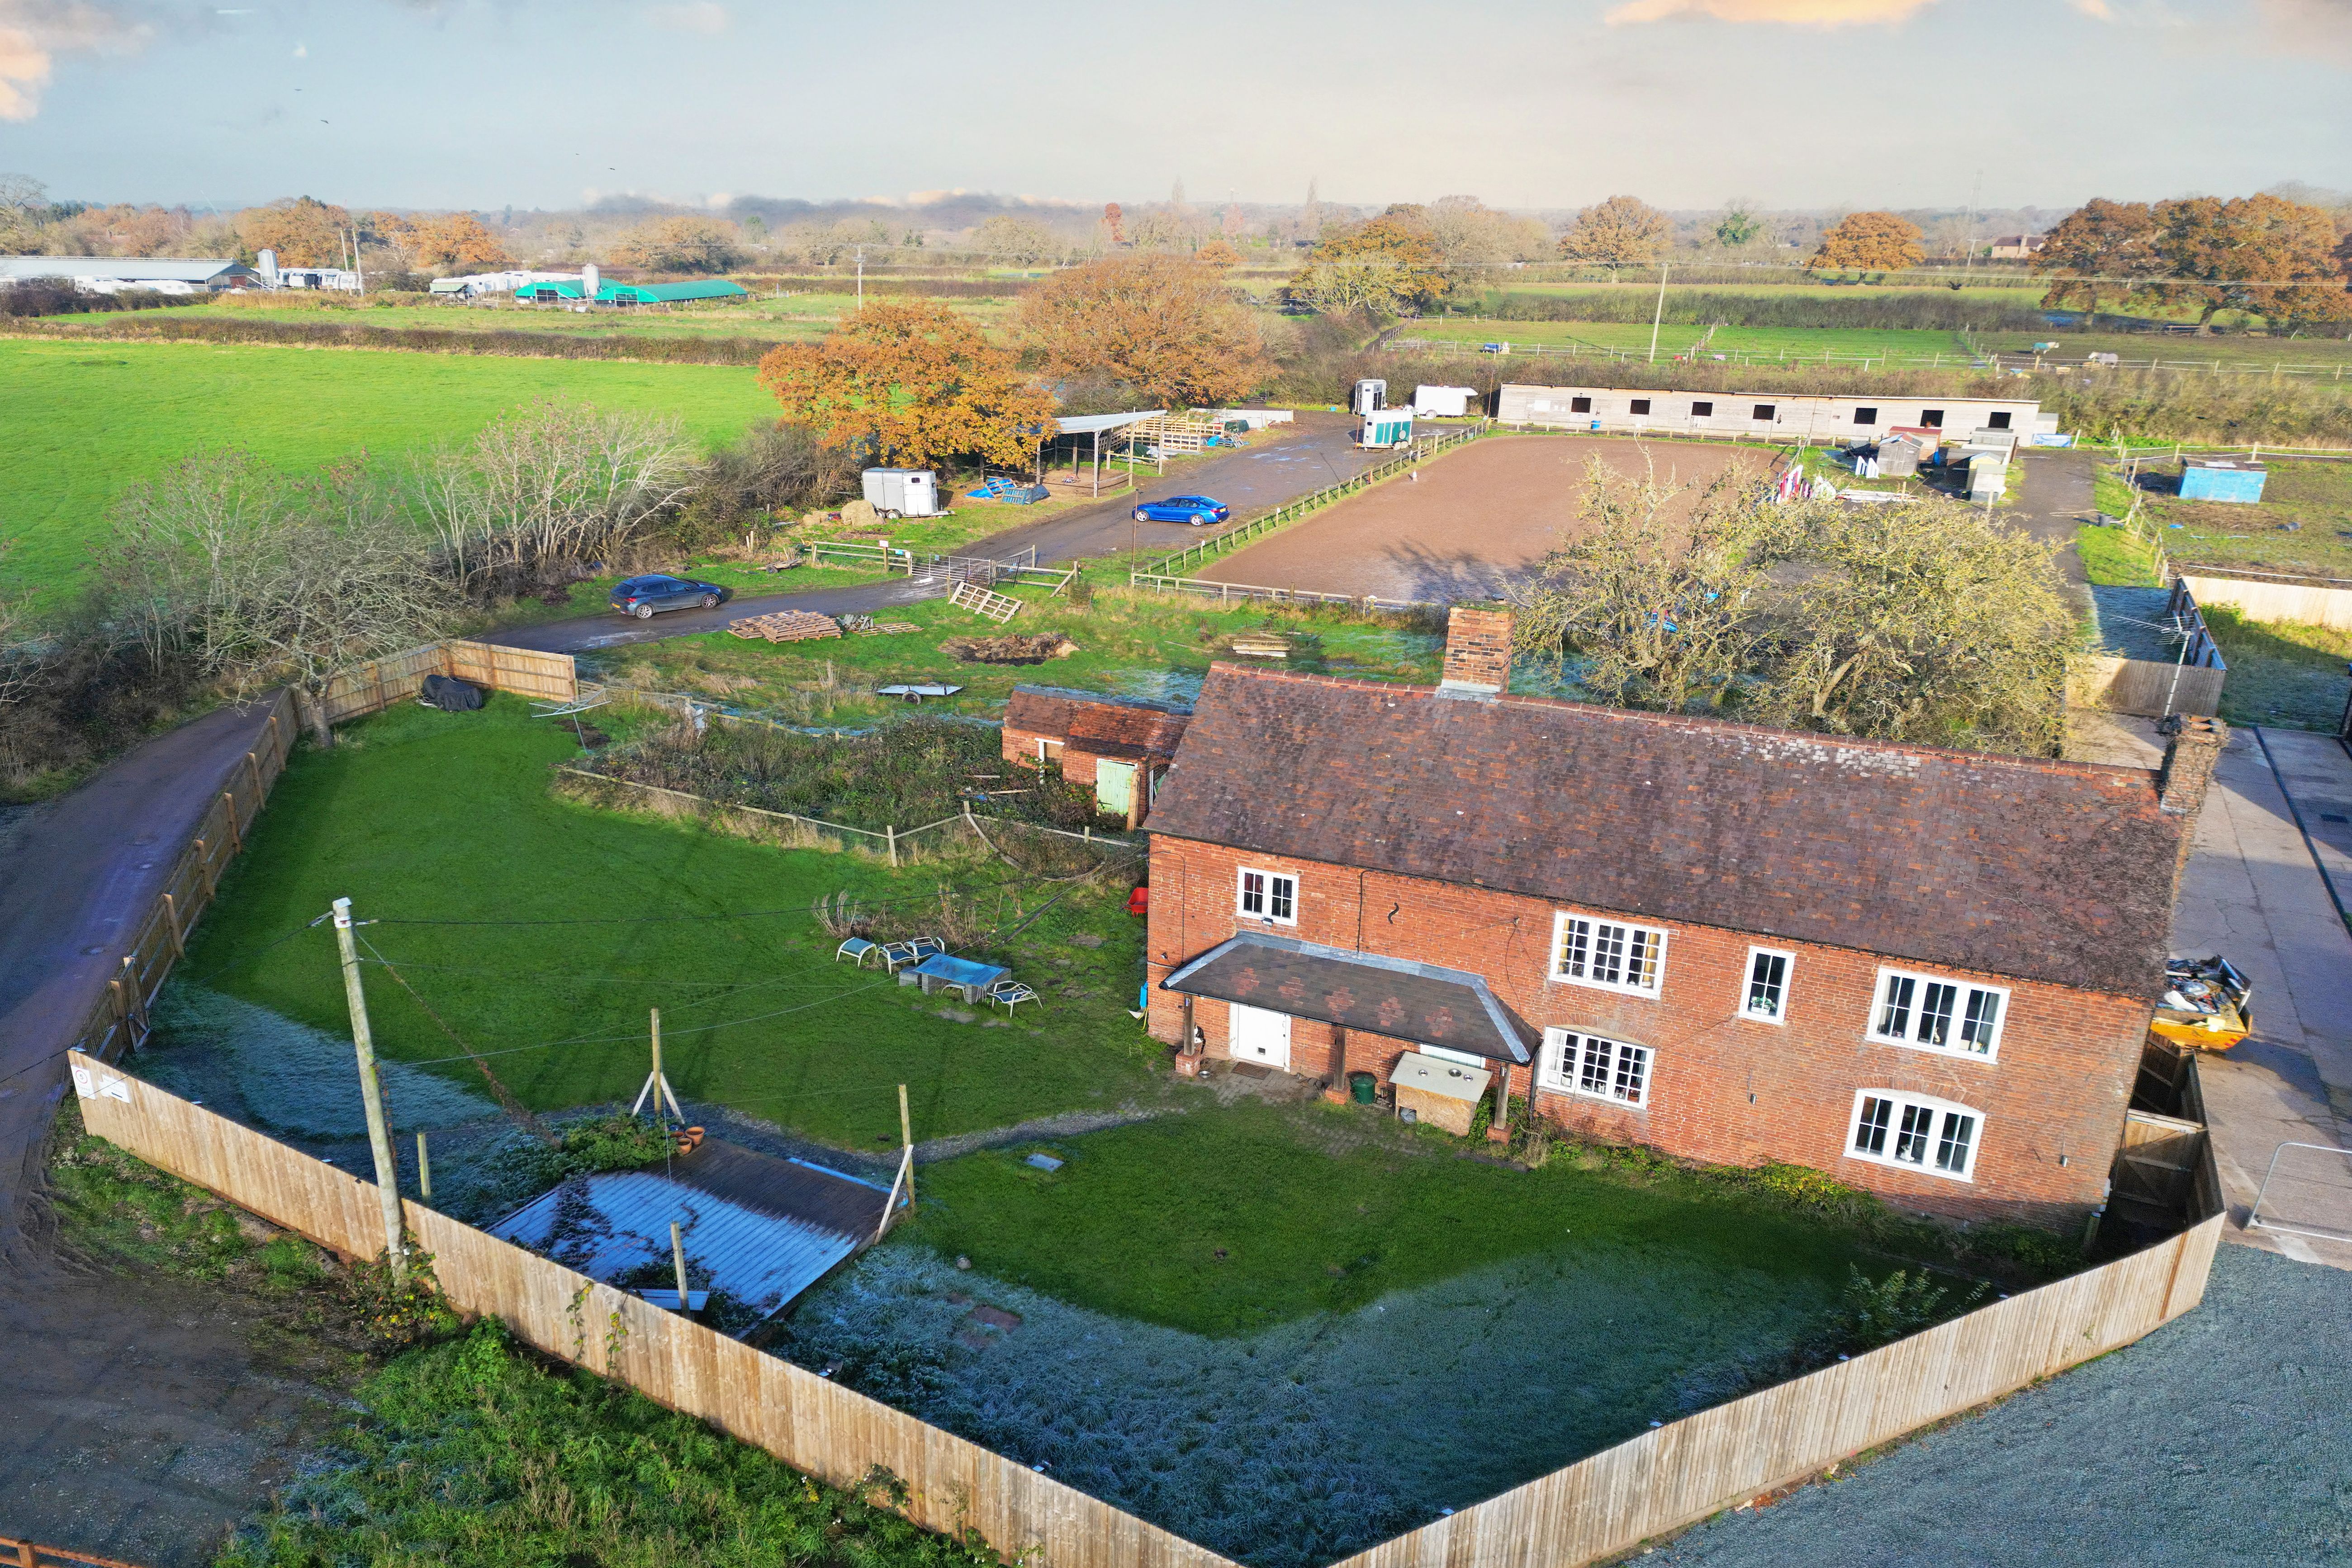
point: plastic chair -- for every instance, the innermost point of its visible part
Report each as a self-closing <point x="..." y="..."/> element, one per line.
<point x="858" y="948"/>
<point x="897" y="955"/>
<point x="923" y="947"/>
<point x="1011" y="993"/>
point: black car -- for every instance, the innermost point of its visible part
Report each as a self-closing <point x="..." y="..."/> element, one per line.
<point x="657" y="590"/>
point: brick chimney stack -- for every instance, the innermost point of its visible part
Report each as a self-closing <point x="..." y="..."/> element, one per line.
<point x="2188" y="758"/>
<point x="1477" y="652"/>
<point x="2181" y="784"/>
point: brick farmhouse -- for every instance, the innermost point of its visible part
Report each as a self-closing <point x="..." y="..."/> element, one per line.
<point x="1928" y="972"/>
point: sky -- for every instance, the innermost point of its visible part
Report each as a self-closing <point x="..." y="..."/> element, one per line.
<point x="1527" y="103"/>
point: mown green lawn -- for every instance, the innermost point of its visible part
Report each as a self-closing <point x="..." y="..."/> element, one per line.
<point x="545" y="928"/>
<point x="1228" y="1221"/>
<point x="85" y="420"/>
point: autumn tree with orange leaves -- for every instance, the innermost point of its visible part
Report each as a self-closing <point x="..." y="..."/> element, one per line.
<point x="1869" y="242"/>
<point x="905" y="384"/>
<point x="303" y="231"/>
<point x="1167" y="325"/>
<point x="453" y="241"/>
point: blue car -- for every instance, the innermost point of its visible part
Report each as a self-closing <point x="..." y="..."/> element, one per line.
<point x="646" y="596"/>
<point x="1198" y="510"/>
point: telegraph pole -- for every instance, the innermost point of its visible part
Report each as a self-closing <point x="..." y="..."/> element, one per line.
<point x="861" y="277"/>
<point x="1659" y="314"/>
<point x="387" y="1173"/>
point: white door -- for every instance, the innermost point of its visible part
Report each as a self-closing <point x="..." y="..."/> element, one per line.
<point x="1261" y="1036"/>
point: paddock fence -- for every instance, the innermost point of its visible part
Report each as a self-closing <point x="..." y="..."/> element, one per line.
<point x="119" y="1021"/>
<point x="378" y="684"/>
<point x="809" y="1421"/>
<point x="33" y="1554"/>
<point x="1170" y="568"/>
<point x="1609" y="1503"/>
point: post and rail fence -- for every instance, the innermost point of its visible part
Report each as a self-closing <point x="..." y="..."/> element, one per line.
<point x="1609" y="1503"/>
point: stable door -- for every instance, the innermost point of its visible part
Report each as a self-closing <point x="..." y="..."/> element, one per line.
<point x="1261" y="1036"/>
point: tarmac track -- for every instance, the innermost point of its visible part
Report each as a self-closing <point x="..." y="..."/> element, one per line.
<point x="1279" y="465"/>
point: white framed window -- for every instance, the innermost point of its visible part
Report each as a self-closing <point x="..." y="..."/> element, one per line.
<point x="1913" y="1132"/>
<point x="1925" y="1011"/>
<point x="1608" y="954"/>
<point x="1267" y="896"/>
<point x="1576" y="1063"/>
<point x="1766" y="999"/>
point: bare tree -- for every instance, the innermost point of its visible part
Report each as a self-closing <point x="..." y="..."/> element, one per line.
<point x="555" y="483"/>
<point x="1656" y="596"/>
<point x="254" y="580"/>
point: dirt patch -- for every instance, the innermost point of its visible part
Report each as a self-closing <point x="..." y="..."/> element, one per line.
<point x="1013" y="647"/>
<point x="1471" y="522"/>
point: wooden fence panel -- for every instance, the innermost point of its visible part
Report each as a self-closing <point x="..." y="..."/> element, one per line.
<point x="375" y="685"/>
<point x="1608" y="1504"/>
<point x="119" y="1021"/>
<point x="2310" y="603"/>
<point x="809" y="1421"/>
<point x="1683" y="1472"/>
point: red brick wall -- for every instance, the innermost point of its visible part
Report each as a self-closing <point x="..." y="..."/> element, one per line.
<point x="1020" y="746"/>
<point x="1723" y="1088"/>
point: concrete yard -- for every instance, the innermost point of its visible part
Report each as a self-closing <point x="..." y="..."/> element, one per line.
<point x="1463" y="526"/>
<point x="2255" y="894"/>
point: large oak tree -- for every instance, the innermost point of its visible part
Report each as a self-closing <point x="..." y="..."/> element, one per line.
<point x="1623" y="231"/>
<point x="1167" y="325"/>
<point x="1870" y="242"/>
<point x="906" y="382"/>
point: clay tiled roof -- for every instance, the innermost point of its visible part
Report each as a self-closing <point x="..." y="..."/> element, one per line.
<point x="2010" y="866"/>
<point x="1100" y="726"/>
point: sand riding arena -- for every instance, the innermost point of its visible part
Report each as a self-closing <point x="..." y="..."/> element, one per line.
<point x="1465" y="524"/>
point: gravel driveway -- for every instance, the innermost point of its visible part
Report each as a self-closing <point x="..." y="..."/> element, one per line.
<point x="2224" y="1437"/>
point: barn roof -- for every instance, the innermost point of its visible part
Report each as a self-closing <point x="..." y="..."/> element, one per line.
<point x="2012" y="865"/>
<point x="1104" y="726"/>
<point x="128" y="268"/>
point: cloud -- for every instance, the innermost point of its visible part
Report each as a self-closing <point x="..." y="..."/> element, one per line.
<point x="2321" y="27"/>
<point x="33" y="33"/>
<point x="702" y="17"/>
<point x="1797" y="13"/>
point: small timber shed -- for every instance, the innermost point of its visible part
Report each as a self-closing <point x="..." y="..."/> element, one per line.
<point x="1120" y="745"/>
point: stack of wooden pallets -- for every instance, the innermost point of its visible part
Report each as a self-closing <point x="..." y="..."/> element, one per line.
<point x="786" y="626"/>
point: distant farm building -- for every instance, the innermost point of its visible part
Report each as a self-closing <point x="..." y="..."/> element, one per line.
<point x="572" y="291"/>
<point x="2016" y="247"/>
<point x="115" y="274"/>
<point x="1765" y="416"/>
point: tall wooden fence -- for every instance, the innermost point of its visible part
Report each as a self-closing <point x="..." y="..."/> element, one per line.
<point x="119" y="1021"/>
<point x="809" y="1421"/>
<point x="1613" y="1501"/>
<point x="385" y="682"/>
<point x="2273" y="595"/>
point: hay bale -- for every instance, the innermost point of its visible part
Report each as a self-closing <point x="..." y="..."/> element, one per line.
<point x="860" y="514"/>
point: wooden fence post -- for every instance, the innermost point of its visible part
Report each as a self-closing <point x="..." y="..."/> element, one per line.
<point x="235" y="833"/>
<point x="171" y="924"/>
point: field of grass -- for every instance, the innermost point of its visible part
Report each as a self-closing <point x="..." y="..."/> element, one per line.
<point x="2233" y="353"/>
<point x="2280" y="673"/>
<point x="2112" y="558"/>
<point x="1140" y="645"/>
<point x="85" y="420"/>
<point x="2302" y="524"/>
<point x="1287" y="1215"/>
<point x="545" y="928"/>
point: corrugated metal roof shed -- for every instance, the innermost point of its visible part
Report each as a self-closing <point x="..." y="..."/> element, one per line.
<point x="772" y="1229"/>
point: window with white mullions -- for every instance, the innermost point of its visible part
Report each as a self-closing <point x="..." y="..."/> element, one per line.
<point x="1767" y="1001"/>
<point x="1267" y="896"/>
<point x="1609" y="954"/>
<point x="1575" y="1063"/>
<point x="1956" y="1017"/>
<point x="1910" y="1130"/>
